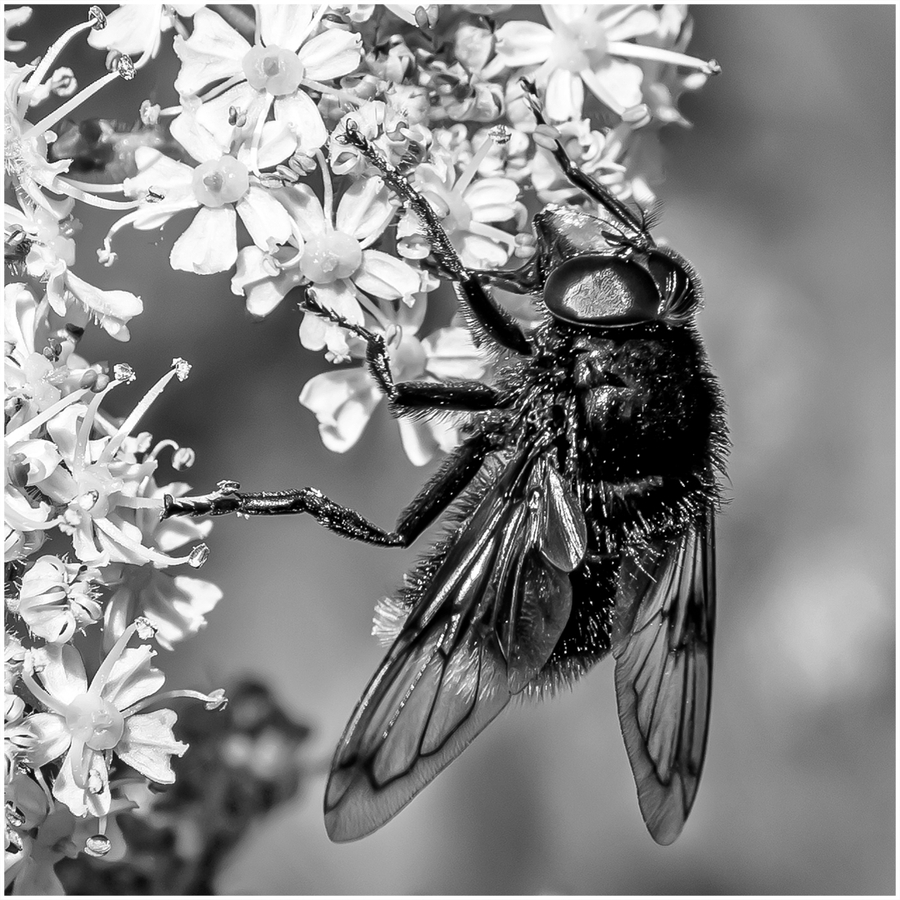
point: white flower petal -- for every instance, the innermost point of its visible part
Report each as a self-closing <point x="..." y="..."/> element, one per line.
<point x="277" y="143"/>
<point x="304" y="208"/>
<point x="210" y="119"/>
<point x="317" y="334"/>
<point x="618" y="80"/>
<point x="181" y="610"/>
<point x="331" y="54"/>
<point x="132" y="678"/>
<point x="492" y="199"/>
<point x="365" y="209"/>
<point x="418" y="441"/>
<point x="284" y="24"/>
<point x="148" y="743"/>
<point x="482" y="253"/>
<point x="343" y="403"/>
<point x="340" y="299"/>
<point x="162" y="173"/>
<point x="620" y="27"/>
<point x="212" y="52"/>
<point x="112" y="309"/>
<point x="386" y="277"/>
<point x="51" y="738"/>
<point x="84" y="801"/>
<point x="300" y="114"/>
<point x="523" y="43"/>
<point x="254" y="278"/>
<point x="451" y="353"/>
<point x="564" y="97"/>
<point x="131" y="29"/>
<point x="264" y="217"/>
<point x="61" y="671"/>
<point x="209" y="244"/>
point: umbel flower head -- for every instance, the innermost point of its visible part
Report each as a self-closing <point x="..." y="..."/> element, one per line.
<point x="88" y="721"/>
<point x="598" y="46"/>
<point x="93" y="484"/>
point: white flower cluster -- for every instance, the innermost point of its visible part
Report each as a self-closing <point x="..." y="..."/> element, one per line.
<point x="254" y="139"/>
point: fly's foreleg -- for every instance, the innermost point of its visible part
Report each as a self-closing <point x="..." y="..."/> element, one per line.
<point x="458" y="470"/>
<point x="573" y="173"/>
<point x="469" y="396"/>
<point x="491" y="317"/>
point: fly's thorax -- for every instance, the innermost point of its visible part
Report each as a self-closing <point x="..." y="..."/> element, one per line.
<point x="640" y="399"/>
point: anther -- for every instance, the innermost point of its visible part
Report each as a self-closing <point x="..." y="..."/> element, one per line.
<point x="124" y="67"/>
<point x="98" y="17"/>
<point x="144" y="628"/>
<point x="124" y="372"/>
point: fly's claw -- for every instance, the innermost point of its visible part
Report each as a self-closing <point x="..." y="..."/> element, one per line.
<point x="224" y="499"/>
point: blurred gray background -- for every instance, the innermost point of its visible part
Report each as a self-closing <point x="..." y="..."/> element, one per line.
<point x="783" y="197"/>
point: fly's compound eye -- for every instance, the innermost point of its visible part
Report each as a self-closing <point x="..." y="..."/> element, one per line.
<point x="606" y="291"/>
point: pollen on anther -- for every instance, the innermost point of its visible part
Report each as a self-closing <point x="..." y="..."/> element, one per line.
<point x="124" y="372"/>
<point x="182" y="368"/>
<point x="145" y="628"/>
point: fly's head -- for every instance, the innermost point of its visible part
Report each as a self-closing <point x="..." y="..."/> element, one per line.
<point x="601" y="273"/>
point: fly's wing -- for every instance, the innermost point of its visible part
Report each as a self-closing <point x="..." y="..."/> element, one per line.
<point x="486" y="623"/>
<point x="664" y="673"/>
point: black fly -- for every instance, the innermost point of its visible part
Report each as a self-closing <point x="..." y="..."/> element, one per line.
<point x="582" y="524"/>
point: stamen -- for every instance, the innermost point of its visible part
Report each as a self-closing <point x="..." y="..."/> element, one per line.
<point x="99" y="680"/>
<point x="167" y="442"/>
<point x="69" y="188"/>
<point x="658" y="54"/>
<point x="257" y="133"/>
<point x="369" y="306"/>
<point x="334" y="92"/>
<point x="313" y="23"/>
<point x="160" y="560"/>
<point x="24" y="431"/>
<point x="80" y="762"/>
<point x="56" y="48"/>
<point x="67" y="107"/>
<point x="140" y="502"/>
<point x="472" y="168"/>
<point x="110" y="450"/>
<point x="84" y="430"/>
<point x="328" y="203"/>
<point x="215" y="700"/>
<point x="96" y="188"/>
